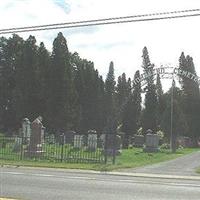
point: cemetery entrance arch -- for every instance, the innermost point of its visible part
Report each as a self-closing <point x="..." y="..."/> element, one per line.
<point x="166" y="72"/>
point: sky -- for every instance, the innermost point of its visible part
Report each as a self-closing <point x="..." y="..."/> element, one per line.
<point x="120" y="43"/>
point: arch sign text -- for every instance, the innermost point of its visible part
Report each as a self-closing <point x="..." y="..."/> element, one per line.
<point x="166" y="72"/>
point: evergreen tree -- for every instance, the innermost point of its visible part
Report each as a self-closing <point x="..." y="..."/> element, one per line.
<point x="110" y="98"/>
<point x="90" y="89"/>
<point x="149" y="113"/>
<point x="10" y="60"/>
<point x="101" y="108"/>
<point x="63" y="97"/>
<point x="191" y="97"/>
<point x="132" y="111"/>
<point x="160" y="100"/>
<point x="122" y="89"/>
<point x="179" y="121"/>
<point x="27" y="101"/>
<point x="137" y="103"/>
<point x="43" y="79"/>
<point x="147" y="67"/>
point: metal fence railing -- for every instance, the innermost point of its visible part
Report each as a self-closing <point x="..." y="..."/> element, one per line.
<point x="76" y="149"/>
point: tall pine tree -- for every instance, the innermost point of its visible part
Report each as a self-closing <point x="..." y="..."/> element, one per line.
<point x="110" y="98"/>
<point x="191" y="97"/>
<point x="179" y="122"/>
<point x="132" y="111"/>
<point x="149" y="113"/>
<point x="160" y="100"/>
<point x="43" y="79"/>
<point x="10" y="60"/>
<point x="63" y="97"/>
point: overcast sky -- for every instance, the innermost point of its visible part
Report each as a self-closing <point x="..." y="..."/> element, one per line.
<point x="120" y="43"/>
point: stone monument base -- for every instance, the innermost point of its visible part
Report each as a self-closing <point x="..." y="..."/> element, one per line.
<point x="150" y="150"/>
<point x="109" y="152"/>
<point x="33" y="154"/>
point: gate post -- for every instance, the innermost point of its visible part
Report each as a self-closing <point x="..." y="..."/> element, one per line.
<point x="114" y="148"/>
<point x="62" y="137"/>
<point x="105" y="149"/>
<point x="22" y="149"/>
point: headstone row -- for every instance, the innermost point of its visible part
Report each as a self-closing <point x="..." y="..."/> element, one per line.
<point x="33" y="136"/>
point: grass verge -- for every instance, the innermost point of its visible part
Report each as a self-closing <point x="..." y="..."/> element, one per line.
<point x="198" y="170"/>
<point x="129" y="158"/>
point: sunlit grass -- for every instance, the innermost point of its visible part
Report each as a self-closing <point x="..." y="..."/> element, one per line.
<point x="129" y="158"/>
<point x="198" y="170"/>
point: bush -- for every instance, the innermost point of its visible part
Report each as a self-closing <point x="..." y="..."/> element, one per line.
<point x="140" y="131"/>
<point x="180" y="147"/>
<point x="5" y="140"/>
<point x="161" y="134"/>
<point x="1" y="135"/>
<point x="165" y="146"/>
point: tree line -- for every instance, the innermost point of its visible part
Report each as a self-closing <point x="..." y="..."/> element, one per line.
<point x="70" y="94"/>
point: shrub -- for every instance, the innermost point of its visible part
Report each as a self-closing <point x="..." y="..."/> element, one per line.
<point x="161" y="134"/>
<point x="140" y="131"/>
<point x="1" y="135"/>
<point x="165" y="146"/>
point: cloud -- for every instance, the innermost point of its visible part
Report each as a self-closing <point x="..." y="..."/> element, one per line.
<point x="121" y="43"/>
<point x="63" y="5"/>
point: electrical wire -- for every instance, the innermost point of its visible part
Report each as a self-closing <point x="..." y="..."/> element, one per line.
<point x="102" y="19"/>
<point x="105" y="21"/>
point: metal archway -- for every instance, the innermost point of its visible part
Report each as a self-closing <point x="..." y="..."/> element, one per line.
<point x="167" y="72"/>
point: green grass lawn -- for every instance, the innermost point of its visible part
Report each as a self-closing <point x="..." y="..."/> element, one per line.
<point x="137" y="157"/>
<point x="129" y="158"/>
<point x="51" y="152"/>
<point x="198" y="170"/>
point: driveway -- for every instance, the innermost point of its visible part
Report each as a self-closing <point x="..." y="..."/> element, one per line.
<point x="185" y="166"/>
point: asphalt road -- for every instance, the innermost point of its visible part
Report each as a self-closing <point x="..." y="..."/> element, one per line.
<point x="43" y="184"/>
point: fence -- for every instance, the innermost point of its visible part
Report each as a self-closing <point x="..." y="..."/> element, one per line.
<point x="76" y="149"/>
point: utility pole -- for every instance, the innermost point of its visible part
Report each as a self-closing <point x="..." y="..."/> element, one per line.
<point x="172" y="136"/>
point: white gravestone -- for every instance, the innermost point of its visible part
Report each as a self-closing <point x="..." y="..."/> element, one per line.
<point x="42" y="134"/>
<point x="92" y="142"/>
<point x="138" y="140"/>
<point x="26" y="130"/>
<point x="78" y="141"/>
<point x="151" y="143"/>
<point x="102" y="140"/>
<point x="17" y="144"/>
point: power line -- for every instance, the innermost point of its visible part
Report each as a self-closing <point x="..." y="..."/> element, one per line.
<point x="102" y="19"/>
<point x="105" y="21"/>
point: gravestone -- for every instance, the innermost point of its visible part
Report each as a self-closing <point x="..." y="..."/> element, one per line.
<point x="50" y="139"/>
<point x="113" y="144"/>
<point x="42" y="134"/>
<point x="37" y="137"/>
<point x="78" y="141"/>
<point x="17" y="144"/>
<point x="151" y="142"/>
<point x="69" y="137"/>
<point x="184" y="141"/>
<point x="92" y="142"/>
<point x="26" y="130"/>
<point x="102" y="139"/>
<point x="139" y="140"/>
<point x="118" y="144"/>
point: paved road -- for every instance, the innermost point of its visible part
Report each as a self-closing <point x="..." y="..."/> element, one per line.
<point x="34" y="184"/>
<point x="184" y="165"/>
